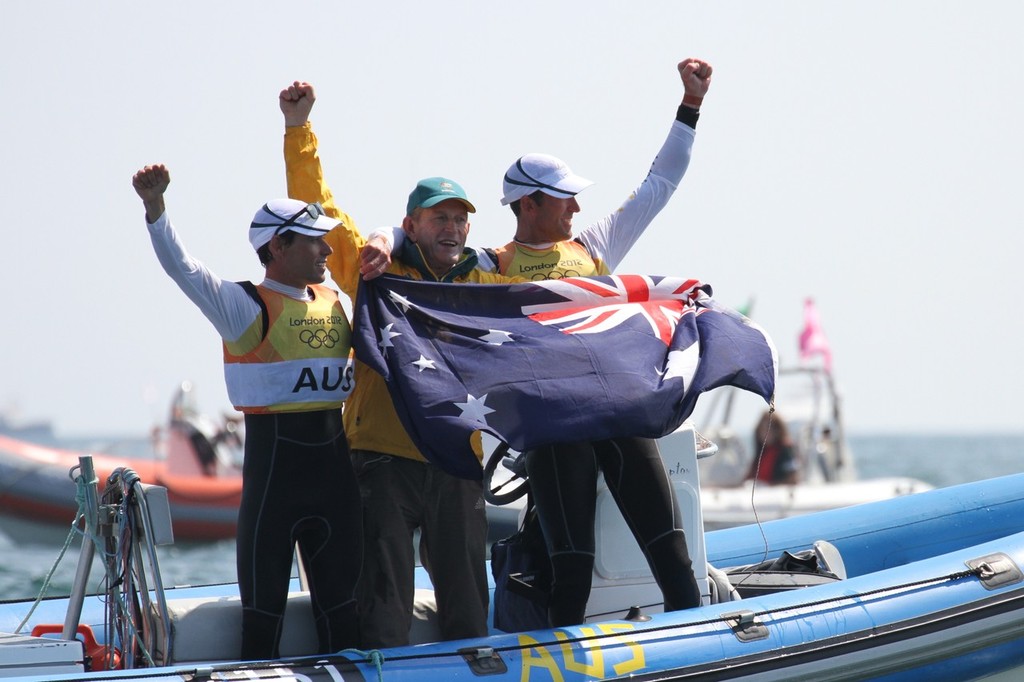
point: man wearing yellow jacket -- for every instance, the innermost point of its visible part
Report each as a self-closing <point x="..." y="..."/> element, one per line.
<point x="541" y="191"/>
<point x="401" y="491"/>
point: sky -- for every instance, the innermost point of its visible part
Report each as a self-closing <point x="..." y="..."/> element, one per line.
<point x="863" y="154"/>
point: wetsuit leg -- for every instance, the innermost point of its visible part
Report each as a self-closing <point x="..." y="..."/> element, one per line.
<point x="636" y="476"/>
<point x="328" y="529"/>
<point x="298" y="486"/>
<point x="454" y="541"/>
<point x="563" y="483"/>
<point x="263" y="558"/>
<point x="392" y="490"/>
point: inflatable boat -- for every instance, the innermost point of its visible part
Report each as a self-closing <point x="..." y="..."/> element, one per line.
<point x="925" y="586"/>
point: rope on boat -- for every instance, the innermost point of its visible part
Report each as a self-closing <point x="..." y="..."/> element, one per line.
<point x="80" y="488"/>
<point x="373" y="656"/>
<point x="127" y="605"/>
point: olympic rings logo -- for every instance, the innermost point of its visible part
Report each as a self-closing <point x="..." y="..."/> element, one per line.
<point x="540" y="277"/>
<point x="321" y="338"/>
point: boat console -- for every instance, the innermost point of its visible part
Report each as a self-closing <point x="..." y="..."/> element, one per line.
<point x="622" y="576"/>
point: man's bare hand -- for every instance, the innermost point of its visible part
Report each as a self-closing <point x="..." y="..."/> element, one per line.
<point x="696" y="75"/>
<point x="374" y="257"/>
<point x="150" y="183"/>
<point x="296" y="102"/>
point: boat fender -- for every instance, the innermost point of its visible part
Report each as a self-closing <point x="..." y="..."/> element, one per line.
<point x="97" y="656"/>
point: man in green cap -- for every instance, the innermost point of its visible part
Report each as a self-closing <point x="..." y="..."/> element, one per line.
<point x="541" y="190"/>
<point x="401" y="491"/>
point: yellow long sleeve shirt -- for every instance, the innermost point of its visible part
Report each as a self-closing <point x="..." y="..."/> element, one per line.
<point x="371" y="422"/>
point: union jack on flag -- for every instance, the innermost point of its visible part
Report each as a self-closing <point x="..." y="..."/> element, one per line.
<point x="583" y="358"/>
<point x="602" y="305"/>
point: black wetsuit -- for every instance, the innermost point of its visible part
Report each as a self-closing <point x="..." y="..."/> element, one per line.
<point x="563" y="482"/>
<point x="300" y="488"/>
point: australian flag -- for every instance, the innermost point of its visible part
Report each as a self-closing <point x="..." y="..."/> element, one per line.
<point x="580" y="358"/>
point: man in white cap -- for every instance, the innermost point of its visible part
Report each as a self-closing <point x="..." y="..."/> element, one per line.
<point x="401" y="491"/>
<point x="286" y="364"/>
<point x="541" y="191"/>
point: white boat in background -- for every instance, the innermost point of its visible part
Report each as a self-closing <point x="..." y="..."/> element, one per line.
<point x="827" y="478"/>
<point x="808" y="400"/>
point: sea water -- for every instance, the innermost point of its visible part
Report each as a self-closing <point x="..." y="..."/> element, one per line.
<point x="28" y="559"/>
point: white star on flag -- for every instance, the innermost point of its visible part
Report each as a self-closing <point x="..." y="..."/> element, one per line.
<point x="496" y="337"/>
<point x="385" y="338"/>
<point x="424" y="363"/>
<point x="475" y="409"/>
<point x="682" y="364"/>
<point x="401" y="300"/>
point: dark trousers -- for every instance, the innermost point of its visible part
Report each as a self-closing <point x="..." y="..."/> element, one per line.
<point x="399" y="496"/>
<point x="563" y="482"/>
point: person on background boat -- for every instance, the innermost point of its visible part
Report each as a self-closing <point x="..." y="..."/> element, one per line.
<point x="401" y="491"/>
<point x="286" y="364"/>
<point x="541" y="191"/>
<point x="775" y="457"/>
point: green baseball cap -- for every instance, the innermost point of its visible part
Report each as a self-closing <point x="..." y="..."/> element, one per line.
<point x="432" y="191"/>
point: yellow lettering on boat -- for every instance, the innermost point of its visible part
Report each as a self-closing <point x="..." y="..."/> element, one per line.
<point x="592" y="649"/>
<point x="536" y="656"/>
<point x="638" y="661"/>
<point x="595" y="669"/>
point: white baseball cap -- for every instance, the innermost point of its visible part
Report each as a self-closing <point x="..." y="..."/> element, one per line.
<point x="288" y="215"/>
<point x="540" y="172"/>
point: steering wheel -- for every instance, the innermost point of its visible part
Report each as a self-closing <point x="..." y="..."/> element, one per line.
<point x="515" y="464"/>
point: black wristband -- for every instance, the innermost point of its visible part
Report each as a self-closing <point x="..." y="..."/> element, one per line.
<point x="687" y="115"/>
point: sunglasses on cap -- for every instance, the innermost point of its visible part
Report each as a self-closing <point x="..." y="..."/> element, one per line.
<point x="313" y="211"/>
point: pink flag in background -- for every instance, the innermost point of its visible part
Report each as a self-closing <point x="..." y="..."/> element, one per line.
<point x="812" y="338"/>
